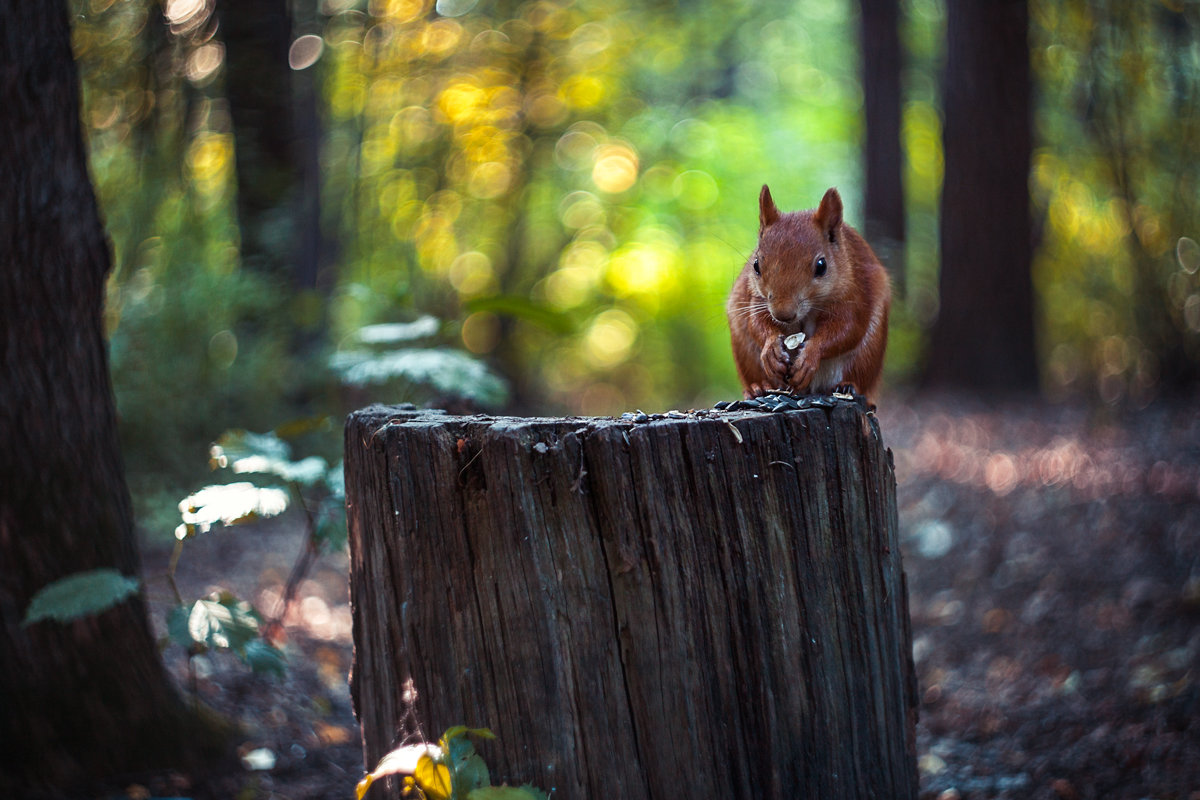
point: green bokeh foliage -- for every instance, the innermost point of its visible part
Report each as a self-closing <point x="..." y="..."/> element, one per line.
<point x="571" y="187"/>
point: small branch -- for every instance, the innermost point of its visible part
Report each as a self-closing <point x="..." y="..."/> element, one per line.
<point x="274" y="627"/>
<point x="171" y="565"/>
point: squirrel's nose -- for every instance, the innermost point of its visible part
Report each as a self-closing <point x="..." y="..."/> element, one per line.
<point x="783" y="314"/>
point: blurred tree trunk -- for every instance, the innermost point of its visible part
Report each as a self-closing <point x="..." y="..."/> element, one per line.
<point x="983" y="337"/>
<point x="882" y="157"/>
<point x="1137" y="144"/>
<point x="276" y="139"/>
<point x="90" y="698"/>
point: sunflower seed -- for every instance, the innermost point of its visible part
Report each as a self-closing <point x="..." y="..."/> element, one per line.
<point x="795" y="341"/>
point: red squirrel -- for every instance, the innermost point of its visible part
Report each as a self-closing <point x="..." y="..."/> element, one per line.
<point x="811" y="273"/>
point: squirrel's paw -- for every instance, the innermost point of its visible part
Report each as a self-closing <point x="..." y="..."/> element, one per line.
<point x="804" y="369"/>
<point x="775" y="364"/>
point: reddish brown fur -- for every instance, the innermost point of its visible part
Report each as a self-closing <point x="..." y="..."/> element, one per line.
<point x="844" y="312"/>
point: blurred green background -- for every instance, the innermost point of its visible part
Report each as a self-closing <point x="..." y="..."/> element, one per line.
<point x="570" y="188"/>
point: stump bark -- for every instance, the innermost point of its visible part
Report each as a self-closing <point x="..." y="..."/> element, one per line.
<point x="710" y="606"/>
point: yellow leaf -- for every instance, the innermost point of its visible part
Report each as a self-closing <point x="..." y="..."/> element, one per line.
<point x="433" y="778"/>
<point x="402" y="760"/>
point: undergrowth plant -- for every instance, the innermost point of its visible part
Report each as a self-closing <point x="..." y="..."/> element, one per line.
<point x="272" y="483"/>
<point x="396" y="360"/>
<point x="449" y="770"/>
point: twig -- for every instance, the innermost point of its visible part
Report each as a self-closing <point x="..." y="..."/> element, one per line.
<point x="171" y="565"/>
<point x="304" y="561"/>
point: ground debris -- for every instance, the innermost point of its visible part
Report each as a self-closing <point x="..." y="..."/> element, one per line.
<point x="1054" y="590"/>
<point x="1049" y="557"/>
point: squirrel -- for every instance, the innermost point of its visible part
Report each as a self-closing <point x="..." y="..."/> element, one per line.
<point x="810" y="274"/>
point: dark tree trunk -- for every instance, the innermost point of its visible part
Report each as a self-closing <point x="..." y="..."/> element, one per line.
<point x="882" y="158"/>
<point x="983" y="338"/>
<point x="709" y="607"/>
<point x="276" y="136"/>
<point x="89" y="698"/>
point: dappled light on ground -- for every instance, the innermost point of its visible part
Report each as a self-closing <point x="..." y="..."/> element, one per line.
<point x="1054" y="591"/>
<point x="311" y="612"/>
<point x="971" y="449"/>
<point x="301" y="724"/>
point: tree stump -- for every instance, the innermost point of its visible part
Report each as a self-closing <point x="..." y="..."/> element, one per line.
<point x="708" y="605"/>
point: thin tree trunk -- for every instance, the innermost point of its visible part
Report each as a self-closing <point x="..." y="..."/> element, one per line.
<point x="710" y="606"/>
<point x="983" y="338"/>
<point x="882" y="157"/>
<point x="89" y="698"/>
<point x="276" y="134"/>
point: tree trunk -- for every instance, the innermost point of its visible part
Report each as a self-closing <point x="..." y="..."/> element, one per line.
<point x="276" y="135"/>
<point x="882" y="158"/>
<point x="983" y="338"/>
<point x="89" y="698"/>
<point x="711" y="606"/>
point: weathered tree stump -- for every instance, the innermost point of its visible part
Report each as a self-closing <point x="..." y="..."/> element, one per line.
<point x="704" y="607"/>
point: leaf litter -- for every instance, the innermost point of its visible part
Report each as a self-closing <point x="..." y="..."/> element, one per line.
<point x="1053" y="561"/>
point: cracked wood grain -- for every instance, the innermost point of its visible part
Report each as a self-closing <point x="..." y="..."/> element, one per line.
<point x="638" y="610"/>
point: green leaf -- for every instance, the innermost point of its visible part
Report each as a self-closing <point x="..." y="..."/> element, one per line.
<point x="471" y="774"/>
<point x="454" y="732"/>
<point x="228" y="504"/>
<point x="523" y="308"/>
<point x="225" y="623"/>
<point x="263" y="657"/>
<point x="177" y="627"/>
<point x="458" y="748"/>
<point x="80" y="595"/>
<point x="330" y="531"/>
<point x="335" y="481"/>
<point x="393" y="332"/>
<point x="302" y="426"/>
<point x="447" y="371"/>
<point x="306" y="472"/>
<point x="506" y="793"/>
<point x="265" y="454"/>
<point x="238" y="444"/>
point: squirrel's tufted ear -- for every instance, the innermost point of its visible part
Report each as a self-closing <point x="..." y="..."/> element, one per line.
<point x="829" y="214"/>
<point x="767" y="212"/>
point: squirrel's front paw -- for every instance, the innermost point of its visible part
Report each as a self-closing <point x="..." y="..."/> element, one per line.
<point x="804" y="368"/>
<point x="775" y="362"/>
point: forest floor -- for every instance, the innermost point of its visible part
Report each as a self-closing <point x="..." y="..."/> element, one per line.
<point x="1053" y="561"/>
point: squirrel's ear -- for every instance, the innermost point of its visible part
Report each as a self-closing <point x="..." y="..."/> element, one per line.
<point x="767" y="212"/>
<point x="829" y="214"/>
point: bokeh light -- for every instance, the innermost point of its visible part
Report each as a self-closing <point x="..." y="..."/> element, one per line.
<point x="616" y="168"/>
<point x="305" y="51"/>
<point x="611" y="337"/>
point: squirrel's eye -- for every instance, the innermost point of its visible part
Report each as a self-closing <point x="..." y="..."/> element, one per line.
<point x="819" y="267"/>
<point x="757" y="271"/>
